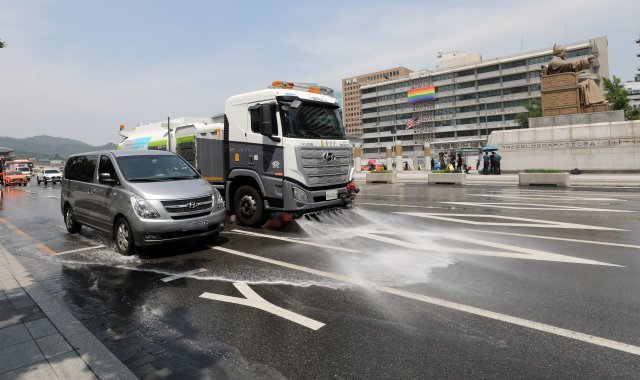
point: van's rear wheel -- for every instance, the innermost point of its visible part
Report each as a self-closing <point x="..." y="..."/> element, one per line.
<point x="249" y="207"/>
<point x="123" y="237"/>
<point x="70" y="221"/>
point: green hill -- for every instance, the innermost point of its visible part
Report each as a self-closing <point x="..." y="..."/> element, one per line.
<point x="48" y="146"/>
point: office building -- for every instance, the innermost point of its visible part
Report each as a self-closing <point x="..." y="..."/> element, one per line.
<point x="633" y="88"/>
<point x="461" y="101"/>
<point x="351" y="112"/>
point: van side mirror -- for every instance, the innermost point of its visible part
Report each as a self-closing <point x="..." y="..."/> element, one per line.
<point x="106" y="179"/>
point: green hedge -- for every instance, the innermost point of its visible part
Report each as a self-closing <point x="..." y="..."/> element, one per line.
<point x="381" y="171"/>
<point x="446" y="171"/>
<point x="544" y="171"/>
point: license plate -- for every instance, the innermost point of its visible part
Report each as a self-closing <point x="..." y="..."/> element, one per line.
<point x="203" y="225"/>
<point x="332" y="194"/>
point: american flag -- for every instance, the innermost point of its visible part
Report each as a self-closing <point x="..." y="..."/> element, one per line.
<point x="412" y="122"/>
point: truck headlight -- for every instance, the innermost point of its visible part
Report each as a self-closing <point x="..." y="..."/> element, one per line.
<point x="217" y="199"/>
<point x="300" y="195"/>
<point x="142" y="208"/>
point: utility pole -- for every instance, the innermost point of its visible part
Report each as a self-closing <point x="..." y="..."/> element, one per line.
<point x="168" y="134"/>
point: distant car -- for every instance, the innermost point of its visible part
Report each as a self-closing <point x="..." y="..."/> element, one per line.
<point x="49" y="175"/>
<point x="26" y="171"/>
<point x="14" y="177"/>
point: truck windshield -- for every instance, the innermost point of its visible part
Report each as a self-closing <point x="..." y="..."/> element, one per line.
<point x="310" y="120"/>
<point x="155" y="168"/>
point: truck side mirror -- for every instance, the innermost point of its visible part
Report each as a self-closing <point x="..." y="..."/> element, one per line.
<point x="266" y="126"/>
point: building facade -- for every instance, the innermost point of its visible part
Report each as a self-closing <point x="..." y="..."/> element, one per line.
<point x="351" y="111"/>
<point x="633" y="88"/>
<point x="472" y="98"/>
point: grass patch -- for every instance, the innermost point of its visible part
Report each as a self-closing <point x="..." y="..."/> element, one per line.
<point x="544" y="171"/>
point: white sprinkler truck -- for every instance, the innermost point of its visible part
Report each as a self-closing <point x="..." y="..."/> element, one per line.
<point x="279" y="149"/>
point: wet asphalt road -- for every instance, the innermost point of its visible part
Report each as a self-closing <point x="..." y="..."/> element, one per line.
<point x="415" y="282"/>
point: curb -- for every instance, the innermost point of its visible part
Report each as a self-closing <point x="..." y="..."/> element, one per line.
<point x="98" y="358"/>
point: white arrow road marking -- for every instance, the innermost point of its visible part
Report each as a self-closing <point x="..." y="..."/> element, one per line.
<point x="183" y="274"/>
<point x="296" y="241"/>
<point x="534" y="223"/>
<point x="624" y="347"/>
<point x="516" y="252"/>
<point x="534" y="206"/>
<point x="254" y="300"/>
<point x="556" y="238"/>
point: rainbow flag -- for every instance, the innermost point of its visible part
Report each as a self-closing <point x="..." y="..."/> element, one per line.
<point x="421" y="94"/>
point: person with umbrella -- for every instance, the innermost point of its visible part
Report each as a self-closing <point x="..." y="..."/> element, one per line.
<point x="372" y="165"/>
<point x="485" y="163"/>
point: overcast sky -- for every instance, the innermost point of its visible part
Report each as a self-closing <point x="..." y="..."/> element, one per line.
<point x="80" y="68"/>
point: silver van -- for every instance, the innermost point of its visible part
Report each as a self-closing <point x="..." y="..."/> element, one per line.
<point x="141" y="197"/>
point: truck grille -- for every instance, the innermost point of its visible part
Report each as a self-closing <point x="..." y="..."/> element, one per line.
<point x="323" y="166"/>
<point x="187" y="208"/>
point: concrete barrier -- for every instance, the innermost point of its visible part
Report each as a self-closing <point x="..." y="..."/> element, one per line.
<point x="374" y="177"/>
<point x="548" y="179"/>
<point x="447" y="178"/>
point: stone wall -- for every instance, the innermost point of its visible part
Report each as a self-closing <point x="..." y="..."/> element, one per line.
<point x="591" y="147"/>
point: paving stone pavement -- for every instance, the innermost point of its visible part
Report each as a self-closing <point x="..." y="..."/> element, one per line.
<point x="41" y="339"/>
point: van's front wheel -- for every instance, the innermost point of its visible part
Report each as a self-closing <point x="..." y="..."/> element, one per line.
<point x="249" y="207"/>
<point x="123" y="237"/>
<point x="70" y="222"/>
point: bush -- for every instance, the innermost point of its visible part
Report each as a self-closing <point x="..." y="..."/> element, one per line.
<point x="544" y="171"/>
<point x="381" y="171"/>
<point x="446" y="171"/>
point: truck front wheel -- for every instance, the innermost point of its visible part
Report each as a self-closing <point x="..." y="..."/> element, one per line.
<point x="249" y="207"/>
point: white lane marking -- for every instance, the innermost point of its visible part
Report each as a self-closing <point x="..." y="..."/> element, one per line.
<point x="397" y="205"/>
<point x="182" y="275"/>
<point x="534" y="223"/>
<point x="254" y="300"/>
<point x="548" y="197"/>
<point x="448" y="304"/>
<point x="80" y="249"/>
<point x="512" y="252"/>
<point x="296" y="241"/>
<point x="534" y="206"/>
<point x="556" y="238"/>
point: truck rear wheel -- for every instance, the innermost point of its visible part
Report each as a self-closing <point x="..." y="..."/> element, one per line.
<point x="249" y="207"/>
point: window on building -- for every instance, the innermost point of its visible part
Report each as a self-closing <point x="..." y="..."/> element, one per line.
<point x="487" y="69"/>
<point x="514" y="64"/>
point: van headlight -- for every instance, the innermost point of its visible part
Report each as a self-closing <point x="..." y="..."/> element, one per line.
<point x="217" y="199"/>
<point x="142" y="208"/>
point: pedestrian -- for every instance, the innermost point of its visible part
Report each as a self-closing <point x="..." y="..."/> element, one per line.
<point x="497" y="159"/>
<point x="432" y="164"/>
<point x="485" y="162"/>
<point x="406" y="166"/>
<point x="492" y="162"/>
<point x="459" y="161"/>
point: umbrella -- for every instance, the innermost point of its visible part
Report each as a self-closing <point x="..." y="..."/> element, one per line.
<point x="372" y="162"/>
<point x="489" y="148"/>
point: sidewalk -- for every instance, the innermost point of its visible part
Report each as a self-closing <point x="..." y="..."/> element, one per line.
<point x="41" y="339"/>
<point x="473" y="178"/>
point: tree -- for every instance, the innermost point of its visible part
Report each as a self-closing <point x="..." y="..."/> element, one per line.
<point x="534" y="109"/>
<point x="618" y="97"/>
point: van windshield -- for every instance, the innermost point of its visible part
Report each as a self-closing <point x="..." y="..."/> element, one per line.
<point x="155" y="168"/>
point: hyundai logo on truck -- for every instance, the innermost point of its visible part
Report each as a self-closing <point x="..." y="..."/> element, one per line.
<point x="329" y="156"/>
